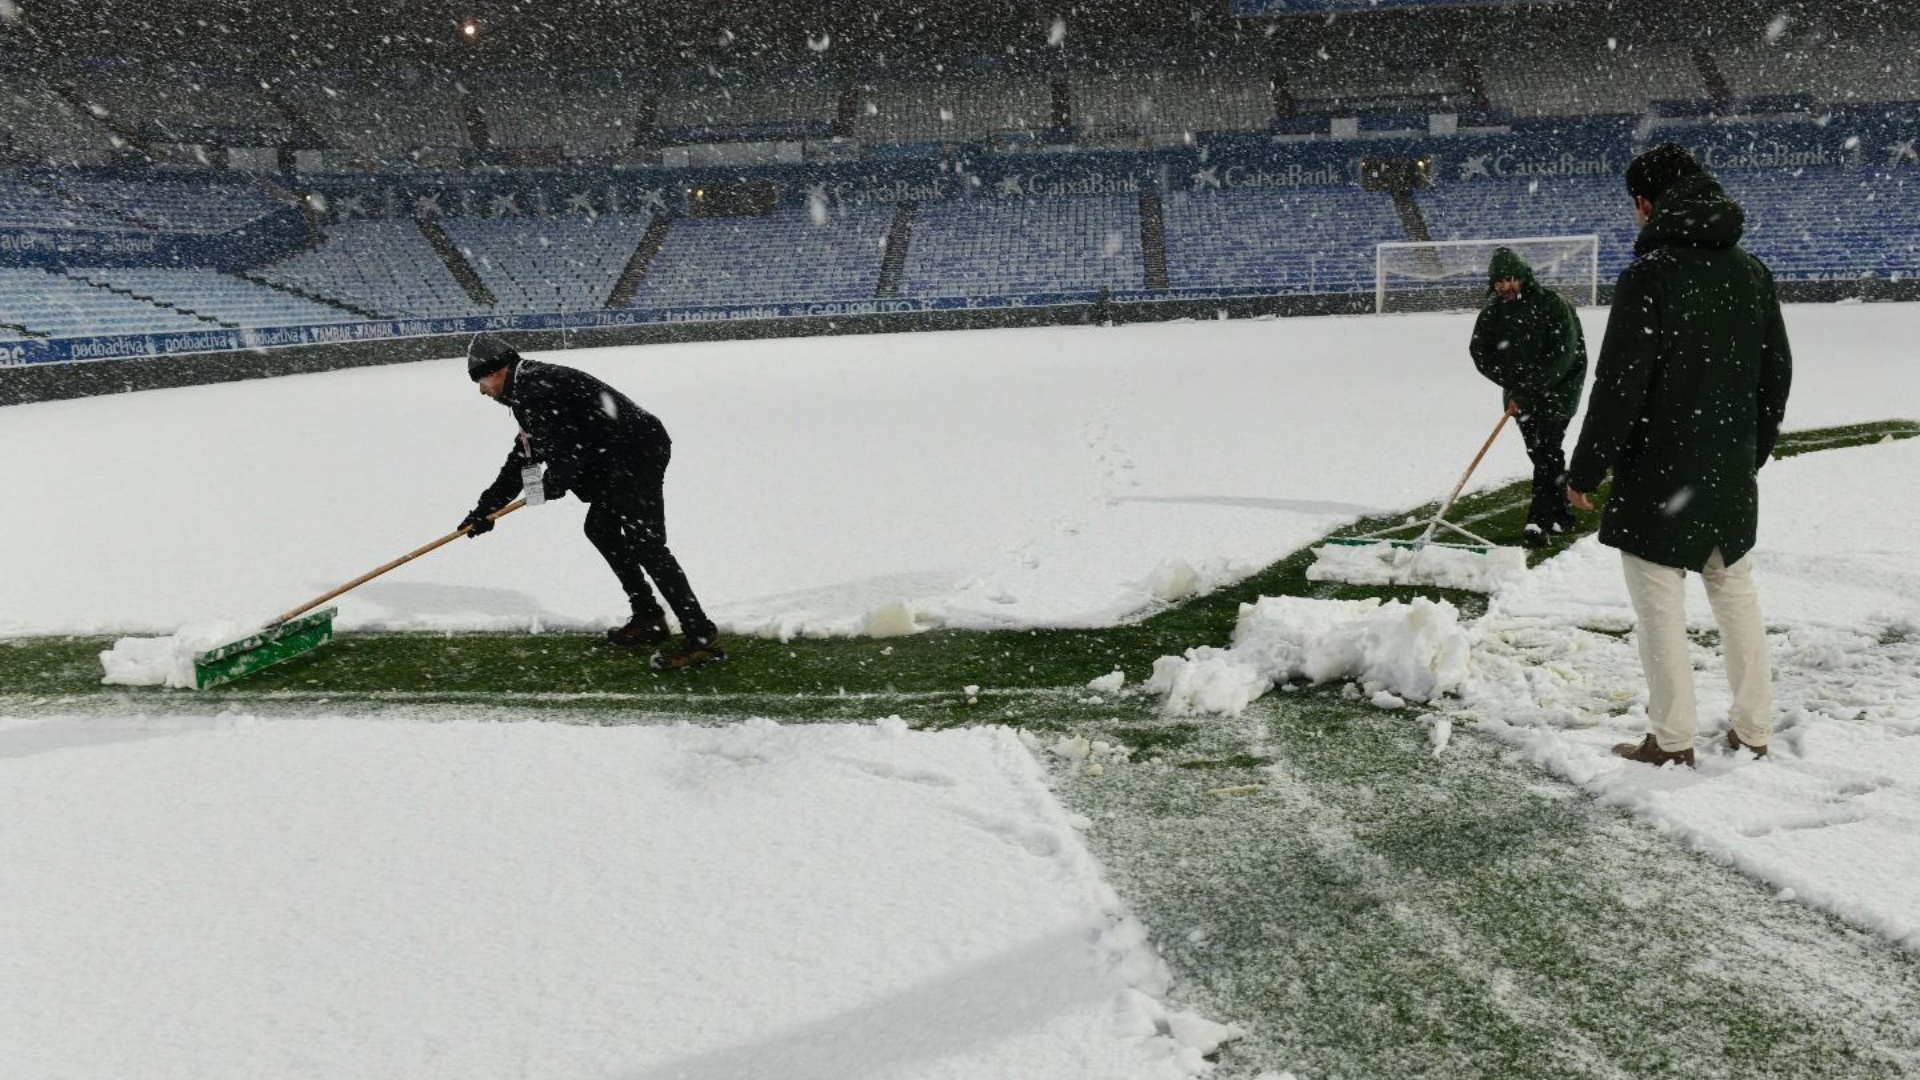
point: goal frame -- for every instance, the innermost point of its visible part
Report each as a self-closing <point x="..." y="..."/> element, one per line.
<point x="1380" y="250"/>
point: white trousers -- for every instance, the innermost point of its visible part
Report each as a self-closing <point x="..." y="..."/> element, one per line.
<point x="1659" y="603"/>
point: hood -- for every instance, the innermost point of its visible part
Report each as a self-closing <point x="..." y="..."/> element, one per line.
<point x="1695" y="212"/>
<point x="1506" y="264"/>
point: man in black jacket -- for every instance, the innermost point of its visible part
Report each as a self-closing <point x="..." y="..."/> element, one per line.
<point x="1528" y="342"/>
<point x="613" y="454"/>
<point x="1687" y="402"/>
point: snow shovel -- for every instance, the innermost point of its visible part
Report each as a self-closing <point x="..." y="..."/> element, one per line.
<point x="297" y="631"/>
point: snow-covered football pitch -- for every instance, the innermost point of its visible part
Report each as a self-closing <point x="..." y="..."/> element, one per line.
<point x="899" y="834"/>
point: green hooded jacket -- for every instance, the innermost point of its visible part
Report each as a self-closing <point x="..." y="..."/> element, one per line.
<point x="1532" y="346"/>
<point x="1690" y="389"/>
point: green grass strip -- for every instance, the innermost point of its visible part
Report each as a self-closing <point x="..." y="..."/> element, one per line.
<point x="804" y="678"/>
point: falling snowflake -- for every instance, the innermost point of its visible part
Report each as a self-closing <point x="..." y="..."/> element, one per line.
<point x="1777" y="29"/>
<point x="819" y="44"/>
<point x="1055" y="35"/>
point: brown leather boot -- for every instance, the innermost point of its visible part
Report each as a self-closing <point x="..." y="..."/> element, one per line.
<point x="1648" y="750"/>
<point x="693" y="652"/>
<point x="640" y="632"/>
<point x="1735" y="743"/>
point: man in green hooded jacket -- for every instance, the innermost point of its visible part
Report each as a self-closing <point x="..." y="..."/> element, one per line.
<point x="1688" y="397"/>
<point x="1528" y="342"/>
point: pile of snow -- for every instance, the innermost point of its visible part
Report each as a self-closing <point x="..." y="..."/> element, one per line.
<point x="223" y="897"/>
<point x="1405" y="651"/>
<point x="1383" y="563"/>
<point x="166" y="661"/>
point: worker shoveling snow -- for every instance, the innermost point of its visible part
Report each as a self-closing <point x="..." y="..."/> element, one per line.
<point x="1441" y="566"/>
<point x="1415" y="651"/>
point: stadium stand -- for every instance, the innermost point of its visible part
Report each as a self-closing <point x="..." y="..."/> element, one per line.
<point x="1827" y="223"/>
<point x="228" y="300"/>
<point x="1545" y="206"/>
<point x="721" y="104"/>
<point x="1837" y="70"/>
<point x="178" y="206"/>
<point x="953" y="109"/>
<point x="39" y="123"/>
<point x="1581" y="75"/>
<point x="1305" y="241"/>
<point x="386" y="267"/>
<point x="1356" y="78"/>
<point x="23" y="206"/>
<point x="385" y="113"/>
<point x="55" y="306"/>
<point x="183" y="103"/>
<point x="547" y="264"/>
<point x="786" y="257"/>
<point x="585" y="114"/>
<point x="989" y="247"/>
<point x="1165" y="102"/>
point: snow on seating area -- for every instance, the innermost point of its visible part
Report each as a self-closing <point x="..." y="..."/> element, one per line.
<point x="788" y="257"/>
<point x="1018" y="246"/>
<point x="535" y="265"/>
<point x="224" y="298"/>
<point x="54" y="305"/>
<point x="382" y="266"/>
<point x="1307" y="241"/>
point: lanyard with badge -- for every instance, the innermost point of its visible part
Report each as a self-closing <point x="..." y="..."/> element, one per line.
<point x="532" y="482"/>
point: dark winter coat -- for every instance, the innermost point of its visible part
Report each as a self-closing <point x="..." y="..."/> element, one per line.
<point x="592" y="438"/>
<point x="1532" y="347"/>
<point x="1691" y="386"/>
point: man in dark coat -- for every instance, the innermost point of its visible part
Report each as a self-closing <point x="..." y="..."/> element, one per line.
<point x="1528" y="342"/>
<point x="613" y="454"/>
<point x="1687" y="400"/>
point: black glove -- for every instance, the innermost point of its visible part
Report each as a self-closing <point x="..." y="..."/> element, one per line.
<point x="476" y="522"/>
<point x="554" y="489"/>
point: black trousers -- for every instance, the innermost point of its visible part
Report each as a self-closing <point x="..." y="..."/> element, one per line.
<point x="1544" y="438"/>
<point x="627" y="522"/>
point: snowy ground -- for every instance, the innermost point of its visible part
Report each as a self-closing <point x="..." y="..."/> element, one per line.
<point x="1828" y="818"/>
<point x="862" y="901"/>
<point x="985" y="478"/>
<point x="1832" y="814"/>
<point x="226" y="897"/>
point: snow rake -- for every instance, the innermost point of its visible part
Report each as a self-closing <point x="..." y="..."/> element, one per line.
<point x="1479" y="544"/>
<point x="301" y="629"/>
<point x="1395" y="559"/>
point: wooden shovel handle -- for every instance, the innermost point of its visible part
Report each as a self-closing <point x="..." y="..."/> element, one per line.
<point x="1434" y="525"/>
<point x="402" y="560"/>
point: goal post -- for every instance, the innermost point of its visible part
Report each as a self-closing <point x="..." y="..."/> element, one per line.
<point x="1451" y="275"/>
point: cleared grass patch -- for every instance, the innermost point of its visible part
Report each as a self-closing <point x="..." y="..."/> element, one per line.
<point x="801" y="679"/>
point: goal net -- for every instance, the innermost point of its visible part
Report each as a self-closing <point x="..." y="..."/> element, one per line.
<point x="1451" y="275"/>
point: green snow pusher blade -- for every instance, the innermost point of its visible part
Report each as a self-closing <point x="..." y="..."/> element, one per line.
<point x="263" y="650"/>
